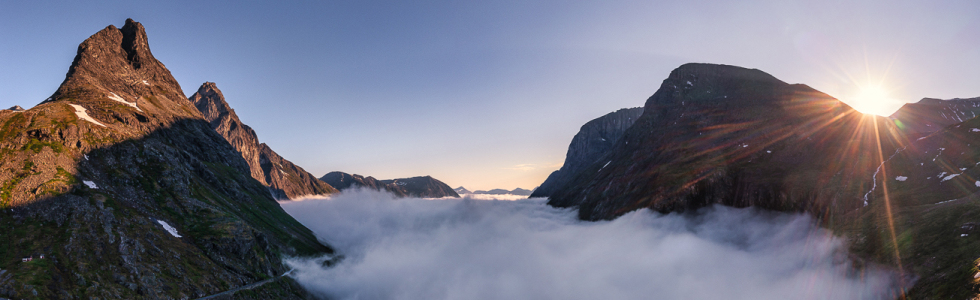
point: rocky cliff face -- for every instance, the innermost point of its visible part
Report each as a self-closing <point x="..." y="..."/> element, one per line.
<point x="284" y="179"/>
<point x="590" y="144"/>
<point x="421" y="187"/>
<point x="211" y="103"/>
<point x="129" y="193"/>
<point x="739" y="137"/>
<point x="931" y="115"/>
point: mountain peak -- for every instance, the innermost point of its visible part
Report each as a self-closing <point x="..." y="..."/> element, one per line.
<point x="211" y="102"/>
<point x="117" y="62"/>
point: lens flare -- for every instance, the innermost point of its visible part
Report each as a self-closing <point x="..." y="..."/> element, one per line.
<point x="873" y="100"/>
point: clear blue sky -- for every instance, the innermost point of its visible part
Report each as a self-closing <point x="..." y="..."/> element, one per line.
<point x="487" y="94"/>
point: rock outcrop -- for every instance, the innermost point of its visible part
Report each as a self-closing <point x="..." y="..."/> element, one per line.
<point x="590" y="144"/>
<point x="930" y="115"/>
<point x="129" y="193"/>
<point x="284" y="179"/>
<point x="420" y="187"/>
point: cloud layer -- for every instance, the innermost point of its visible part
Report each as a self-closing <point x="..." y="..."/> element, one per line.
<point x="476" y="249"/>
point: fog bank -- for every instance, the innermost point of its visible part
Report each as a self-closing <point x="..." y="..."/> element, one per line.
<point x="477" y="249"/>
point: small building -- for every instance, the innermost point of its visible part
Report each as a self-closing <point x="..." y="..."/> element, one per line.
<point x="27" y="259"/>
<point x="41" y="257"/>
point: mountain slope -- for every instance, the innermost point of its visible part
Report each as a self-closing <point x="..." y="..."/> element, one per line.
<point x="933" y="205"/>
<point x="931" y="115"/>
<point x="129" y="193"/>
<point x="589" y="145"/>
<point x="285" y="179"/>
<point x="739" y="137"/>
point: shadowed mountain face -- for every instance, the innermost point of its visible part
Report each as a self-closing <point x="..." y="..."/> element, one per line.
<point x="129" y="193"/>
<point x="739" y="137"/>
<point x="931" y="115"/>
<point x="589" y="145"/>
<point x="419" y="187"/>
<point x="285" y="179"/>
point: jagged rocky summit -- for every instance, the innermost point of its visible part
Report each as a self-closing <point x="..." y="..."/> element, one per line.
<point x="930" y="115"/>
<point x="419" y="187"/>
<point x="284" y="179"/>
<point x="590" y="144"/>
<point x="129" y="193"/>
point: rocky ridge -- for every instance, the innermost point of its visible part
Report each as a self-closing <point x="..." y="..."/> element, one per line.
<point x="930" y="115"/>
<point x="590" y="144"/>
<point x="124" y="187"/>
<point x="284" y="179"/>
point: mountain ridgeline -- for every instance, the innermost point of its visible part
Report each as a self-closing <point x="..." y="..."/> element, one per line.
<point x="419" y="187"/>
<point x="128" y="192"/>
<point x="716" y="134"/>
<point x="284" y="179"/>
<point x="590" y="144"/>
<point x="931" y="115"/>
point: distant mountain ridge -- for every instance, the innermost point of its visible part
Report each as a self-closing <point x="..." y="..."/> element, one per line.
<point x="284" y="179"/>
<point x="420" y="187"/>
<point x="590" y="144"/>
<point x="931" y="115"/>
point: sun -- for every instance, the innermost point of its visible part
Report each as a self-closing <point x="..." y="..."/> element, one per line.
<point x="874" y="100"/>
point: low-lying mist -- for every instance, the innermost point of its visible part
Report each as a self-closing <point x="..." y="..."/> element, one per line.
<point x="477" y="249"/>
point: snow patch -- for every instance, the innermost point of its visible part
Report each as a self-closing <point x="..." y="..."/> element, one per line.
<point x="80" y="112"/>
<point x="170" y="229"/>
<point x="949" y="177"/>
<point x="604" y="166"/>
<point x="113" y="96"/>
<point x="768" y="151"/>
<point x="90" y="184"/>
<point x="901" y="178"/>
<point x="689" y="83"/>
<point x="963" y="235"/>
<point x="146" y="83"/>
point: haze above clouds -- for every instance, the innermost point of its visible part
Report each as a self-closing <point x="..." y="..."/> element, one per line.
<point x="479" y="249"/>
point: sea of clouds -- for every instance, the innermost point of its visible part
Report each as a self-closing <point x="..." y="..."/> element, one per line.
<point x="484" y="249"/>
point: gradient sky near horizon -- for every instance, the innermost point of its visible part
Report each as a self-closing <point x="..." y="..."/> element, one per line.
<point x="488" y="94"/>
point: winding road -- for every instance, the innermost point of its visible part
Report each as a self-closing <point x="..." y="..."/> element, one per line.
<point x="246" y="287"/>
